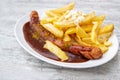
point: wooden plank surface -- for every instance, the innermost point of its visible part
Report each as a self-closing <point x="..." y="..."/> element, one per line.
<point x="17" y="64"/>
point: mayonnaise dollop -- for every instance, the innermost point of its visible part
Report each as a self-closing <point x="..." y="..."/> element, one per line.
<point x="76" y="16"/>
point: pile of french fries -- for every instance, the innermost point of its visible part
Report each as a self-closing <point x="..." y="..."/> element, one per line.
<point x="89" y="30"/>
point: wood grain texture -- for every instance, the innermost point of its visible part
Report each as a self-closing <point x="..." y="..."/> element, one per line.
<point x="17" y="64"/>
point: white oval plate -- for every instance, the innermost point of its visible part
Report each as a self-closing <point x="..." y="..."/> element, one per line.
<point x="91" y="63"/>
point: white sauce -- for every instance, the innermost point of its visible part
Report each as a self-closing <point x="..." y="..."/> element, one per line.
<point x="76" y="17"/>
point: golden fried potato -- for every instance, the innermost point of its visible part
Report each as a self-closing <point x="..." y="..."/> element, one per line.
<point x="63" y="16"/>
<point x="64" y="24"/>
<point x="64" y="9"/>
<point x="107" y="28"/>
<point x="70" y="31"/>
<point x="48" y="20"/>
<point x="104" y="37"/>
<point x="78" y="39"/>
<point x="80" y="32"/>
<point x="56" y="50"/>
<point x="87" y="28"/>
<point x="51" y="14"/>
<point x="67" y="32"/>
<point x="94" y="33"/>
<point x="99" y="18"/>
<point x="88" y="19"/>
<point x="87" y="40"/>
<point x="66" y="38"/>
<point x="53" y="30"/>
<point x="107" y="44"/>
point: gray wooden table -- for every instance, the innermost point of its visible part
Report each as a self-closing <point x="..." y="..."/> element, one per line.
<point x="17" y="64"/>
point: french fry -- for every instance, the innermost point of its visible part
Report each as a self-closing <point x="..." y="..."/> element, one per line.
<point x="99" y="18"/>
<point x="51" y="14"/>
<point x="94" y="33"/>
<point x="64" y="24"/>
<point x="78" y="39"/>
<point x="69" y="31"/>
<point x="53" y="30"/>
<point x="88" y="18"/>
<point x="107" y="28"/>
<point x="56" y="50"/>
<point x="87" y="28"/>
<point x="80" y="32"/>
<point x="64" y="9"/>
<point x="107" y="44"/>
<point x="87" y="40"/>
<point x="63" y="16"/>
<point x="48" y="20"/>
<point x="66" y="38"/>
<point x="104" y="37"/>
